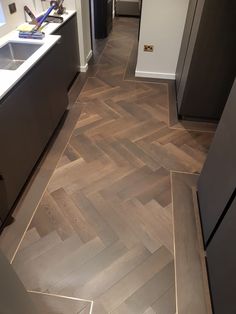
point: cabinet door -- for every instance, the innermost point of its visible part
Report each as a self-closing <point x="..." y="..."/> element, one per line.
<point x="20" y="140"/>
<point x="69" y="51"/>
<point x="28" y="117"/>
<point x="52" y="89"/>
<point x="218" y="178"/>
<point x="221" y="260"/>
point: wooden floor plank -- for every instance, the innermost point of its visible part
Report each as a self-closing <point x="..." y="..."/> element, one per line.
<point x="78" y="278"/>
<point x="112" y="274"/>
<point x="39" y="274"/>
<point x="138" y="302"/>
<point x="190" y="283"/>
<point x="165" y="303"/>
<point x="49" y="304"/>
<point x="135" y="279"/>
<point x="103" y="230"/>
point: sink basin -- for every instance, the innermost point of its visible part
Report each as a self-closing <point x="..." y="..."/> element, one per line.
<point x="13" y="54"/>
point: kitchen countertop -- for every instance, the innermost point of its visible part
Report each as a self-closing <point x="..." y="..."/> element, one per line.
<point x="9" y="78"/>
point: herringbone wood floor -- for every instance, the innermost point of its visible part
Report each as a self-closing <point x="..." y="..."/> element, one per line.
<point x="103" y="230"/>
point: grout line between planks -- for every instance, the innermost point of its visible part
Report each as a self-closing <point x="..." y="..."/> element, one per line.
<point x="173" y="226"/>
<point x="184" y="172"/>
<point x="91" y="302"/>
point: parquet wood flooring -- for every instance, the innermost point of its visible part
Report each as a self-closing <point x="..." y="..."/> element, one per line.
<point x="51" y="304"/>
<point x="103" y="230"/>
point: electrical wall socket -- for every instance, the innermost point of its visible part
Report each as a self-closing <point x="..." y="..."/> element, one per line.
<point x="12" y="7"/>
<point x="148" y="48"/>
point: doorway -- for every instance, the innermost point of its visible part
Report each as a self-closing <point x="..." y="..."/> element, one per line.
<point x="103" y="13"/>
<point x="130" y="15"/>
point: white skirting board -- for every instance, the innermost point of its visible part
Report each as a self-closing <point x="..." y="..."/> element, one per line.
<point x="84" y="68"/>
<point x="158" y="75"/>
<point x="89" y="56"/>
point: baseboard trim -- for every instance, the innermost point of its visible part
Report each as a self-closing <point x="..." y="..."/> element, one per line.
<point x="84" y="68"/>
<point x="89" y="56"/>
<point x="158" y="75"/>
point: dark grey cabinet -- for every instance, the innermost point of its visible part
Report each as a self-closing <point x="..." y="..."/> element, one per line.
<point x="102" y="17"/>
<point x="69" y="60"/>
<point x="31" y="111"/>
<point x="221" y="261"/>
<point x="182" y="62"/>
<point x="28" y="117"/>
<point x="217" y="181"/>
<point x="207" y="65"/>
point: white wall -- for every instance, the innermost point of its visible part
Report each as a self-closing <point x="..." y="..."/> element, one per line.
<point x="86" y="29"/>
<point x="12" y="21"/>
<point x="83" y="20"/>
<point x="162" y="25"/>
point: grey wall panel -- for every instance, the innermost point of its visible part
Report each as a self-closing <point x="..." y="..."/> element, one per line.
<point x="185" y="41"/>
<point x="218" y="178"/>
<point x="191" y="27"/>
<point x="221" y="260"/>
<point x="210" y="64"/>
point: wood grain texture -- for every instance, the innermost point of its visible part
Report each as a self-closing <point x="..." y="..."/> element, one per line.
<point x="103" y="229"/>
<point x="50" y="304"/>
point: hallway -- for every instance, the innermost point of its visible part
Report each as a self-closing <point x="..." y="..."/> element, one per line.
<point x="103" y="231"/>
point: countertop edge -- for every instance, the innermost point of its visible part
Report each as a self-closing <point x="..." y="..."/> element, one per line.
<point x="11" y="78"/>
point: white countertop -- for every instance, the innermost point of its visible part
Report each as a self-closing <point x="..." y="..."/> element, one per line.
<point x="52" y="27"/>
<point x="8" y="78"/>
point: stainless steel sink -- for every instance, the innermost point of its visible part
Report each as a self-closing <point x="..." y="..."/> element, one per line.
<point x="13" y="54"/>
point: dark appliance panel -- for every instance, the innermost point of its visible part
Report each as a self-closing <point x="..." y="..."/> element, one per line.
<point x="207" y="63"/>
<point x="103" y="17"/>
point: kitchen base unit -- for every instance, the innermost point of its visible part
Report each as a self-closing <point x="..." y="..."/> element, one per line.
<point x="69" y="55"/>
<point x="29" y="114"/>
<point x="31" y="111"/>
